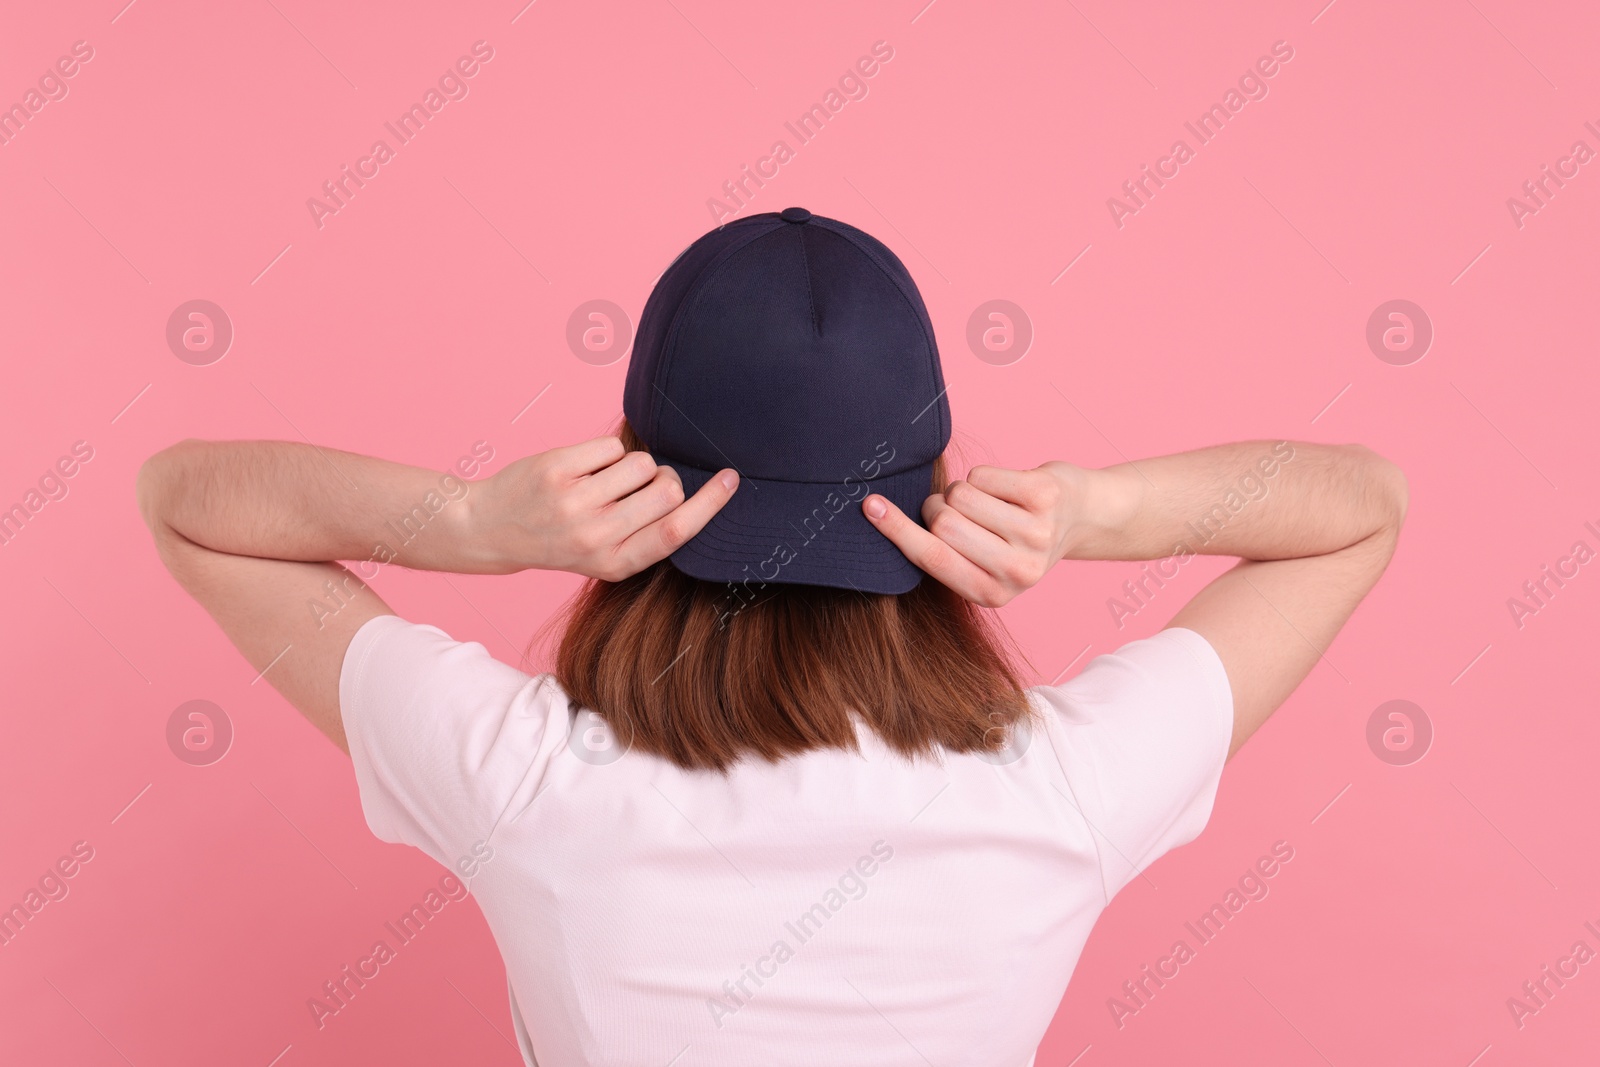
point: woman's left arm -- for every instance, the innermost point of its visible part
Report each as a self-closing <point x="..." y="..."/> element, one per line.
<point x="252" y="530"/>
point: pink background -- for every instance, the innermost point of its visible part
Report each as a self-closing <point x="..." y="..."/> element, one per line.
<point x="433" y="307"/>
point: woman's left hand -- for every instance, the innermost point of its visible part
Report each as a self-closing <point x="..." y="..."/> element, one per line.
<point x="594" y="509"/>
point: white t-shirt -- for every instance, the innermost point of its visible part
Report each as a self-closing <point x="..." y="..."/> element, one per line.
<point x="836" y="908"/>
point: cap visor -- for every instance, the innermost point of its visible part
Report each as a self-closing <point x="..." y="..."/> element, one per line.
<point x="803" y="533"/>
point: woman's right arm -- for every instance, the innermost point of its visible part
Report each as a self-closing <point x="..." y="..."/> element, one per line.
<point x="1313" y="525"/>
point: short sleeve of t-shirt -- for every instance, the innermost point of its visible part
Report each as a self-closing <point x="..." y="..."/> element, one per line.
<point x="1142" y="734"/>
<point x="446" y="740"/>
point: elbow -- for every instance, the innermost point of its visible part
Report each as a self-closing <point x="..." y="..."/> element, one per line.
<point x="147" y="490"/>
<point x="152" y="482"/>
<point x="1390" y="492"/>
<point x="1397" y="493"/>
<point x="1403" y="495"/>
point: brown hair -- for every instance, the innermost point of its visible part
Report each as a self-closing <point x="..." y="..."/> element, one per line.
<point x="674" y="672"/>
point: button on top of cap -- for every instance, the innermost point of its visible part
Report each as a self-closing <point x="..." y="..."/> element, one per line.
<point x="794" y="214"/>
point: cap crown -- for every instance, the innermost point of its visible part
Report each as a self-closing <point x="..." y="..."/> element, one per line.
<point x="791" y="351"/>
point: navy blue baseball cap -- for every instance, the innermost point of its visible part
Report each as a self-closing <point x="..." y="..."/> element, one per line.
<point x="797" y="350"/>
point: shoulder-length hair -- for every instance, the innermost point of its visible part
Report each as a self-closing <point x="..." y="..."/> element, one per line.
<point x="672" y="672"/>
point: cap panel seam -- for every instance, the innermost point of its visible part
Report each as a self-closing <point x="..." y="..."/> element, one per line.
<point x="698" y="289"/>
<point x="923" y="320"/>
<point x="805" y="265"/>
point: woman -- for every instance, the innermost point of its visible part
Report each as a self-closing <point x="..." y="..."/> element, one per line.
<point x="783" y="799"/>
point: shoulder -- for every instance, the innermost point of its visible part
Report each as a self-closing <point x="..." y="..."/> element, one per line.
<point x="410" y="690"/>
<point x="1172" y="666"/>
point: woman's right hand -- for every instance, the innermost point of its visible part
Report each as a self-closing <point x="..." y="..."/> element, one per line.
<point x="592" y="508"/>
<point x="993" y="535"/>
